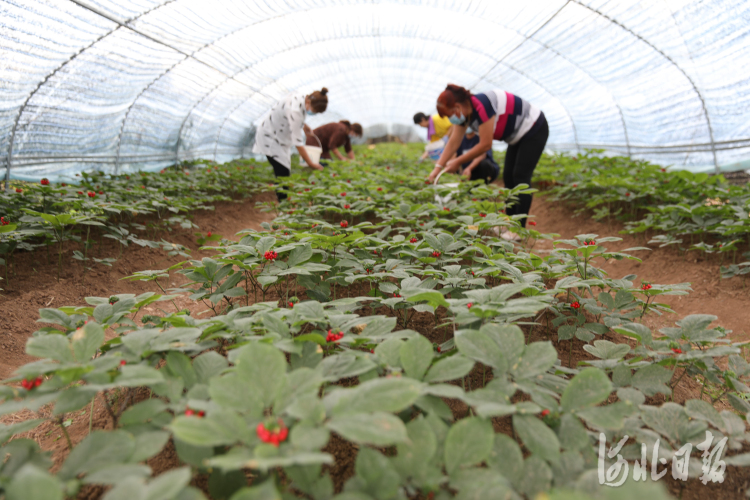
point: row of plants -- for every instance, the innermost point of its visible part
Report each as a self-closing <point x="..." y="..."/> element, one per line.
<point x="373" y="314"/>
<point x="695" y="212"/>
<point x="96" y="206"/>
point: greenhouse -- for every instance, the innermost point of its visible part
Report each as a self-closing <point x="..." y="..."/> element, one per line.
<point x="374" y="250"/>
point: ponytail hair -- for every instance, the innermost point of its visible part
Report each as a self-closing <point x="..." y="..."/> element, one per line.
<point x="357" y="129"/>
<point x="346" y="123"/>
<point x="319" y="100"/>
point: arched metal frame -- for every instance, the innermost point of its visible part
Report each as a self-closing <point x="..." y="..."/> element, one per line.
<point x="254" y="92"/>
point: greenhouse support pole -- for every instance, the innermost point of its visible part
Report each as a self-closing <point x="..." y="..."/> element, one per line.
<point x="665" y="56"/>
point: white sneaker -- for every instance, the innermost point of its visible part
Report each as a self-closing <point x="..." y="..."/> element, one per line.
<point x="509" y="236"/>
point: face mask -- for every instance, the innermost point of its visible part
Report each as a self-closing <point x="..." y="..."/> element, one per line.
<point x="457" y="120"/>
<point x="309" y="113"/>
<point x="469" y="130"/>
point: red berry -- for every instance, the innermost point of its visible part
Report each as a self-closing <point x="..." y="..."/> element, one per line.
<point x="646" y="287"/>
<point x="189" y="412"/>
<point x="446" y="209"/>
<point x="380" y="189"/>
<point x="413" y="240"/>
<point x="44" y="182"/>
<point x="80" y="192"/>
<point x="677" y="351"/>
<point x="483" y="215"/>
<point x="473" y="199"/>
<point x="344" y="223"/>
<point x="575" y="185"/>
<point x="532" y="223"/>
<point x="19" y="190"/>
<point x="347" y="206"/>
<point x="545" y="413"/>
<point x="575" y="305"/>
<point x="343" y="194"/>
<point x="438" y="349"/>
<point x="91" y="194"/>
<point x="291" y="304"/>
<point x="201" y="414"/>
<point x="469" y="305"/>
<point x="436" y="254"/>
<point x="123" y="362"/>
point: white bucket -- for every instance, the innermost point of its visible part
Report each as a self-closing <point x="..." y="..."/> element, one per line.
<point x="314" y="153"/>
<point x="435" y="149"/>
<point x="443" y="200"/>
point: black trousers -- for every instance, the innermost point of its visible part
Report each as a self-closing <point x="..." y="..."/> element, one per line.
<point x="486" y="171"/>
<point x="279" y="170"/>
<point x="520" y="162"/>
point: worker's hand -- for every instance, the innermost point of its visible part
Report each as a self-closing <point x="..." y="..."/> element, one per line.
<point x="452" y="165"/>
<point x="316" y="166"/>
<point x="467" y="174"/>
<point x="433" y="174"/>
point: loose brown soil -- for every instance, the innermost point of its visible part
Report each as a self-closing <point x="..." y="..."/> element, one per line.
<point x="35" y="287"/>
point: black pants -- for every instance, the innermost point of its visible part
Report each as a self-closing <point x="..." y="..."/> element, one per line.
<point x="520" y="162"/>
<point x="486" y="171"/>
<point x="279" y="170"/>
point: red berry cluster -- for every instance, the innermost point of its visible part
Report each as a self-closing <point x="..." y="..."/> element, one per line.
<point x="532" y="223"/>
<point x="347" y="206"/>
<point x="123" y="362"/>
<point x="91" y="194"/>
<point x="436" y="254"/>
<point x="677" y="350"/>
<point x="270" y="255"/>
<point x="275" y="435"/>
<point x="483" y="215"/>
<point x="209" y="234"/>
<point x="113" y="300"/>
<point x="334" y="337"/>
<point x="44" y="182"/>
<point x="469" y="305"/>
<point x="101" y="192"/>
<point x="575" y="305"/>
<point x="343" y="194"/>
<point x="193" y="413"/>
<point x="396" y="295"/>
<point x="3" y="222"/>
<point x="446" y="209"/>
<point x="369" y="269"/>
<point x="380" y="189"/>
<point x="413" y="240"/>
<point x="627" y="194"/>
<point x="30" y="384"/>
<point x="344" y="223"/>
<point x="646" y="286"/>
<point x="545" y="413"/>
<point x="589" y="242"/>
<point x="19" y="190"/>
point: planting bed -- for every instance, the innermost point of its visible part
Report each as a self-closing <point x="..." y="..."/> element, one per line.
<point x="366" y="343"/>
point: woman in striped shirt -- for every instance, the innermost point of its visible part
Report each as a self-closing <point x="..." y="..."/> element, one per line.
<point x="501" y="116"/>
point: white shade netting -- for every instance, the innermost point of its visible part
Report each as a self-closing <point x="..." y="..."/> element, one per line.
<point x="120" y="86"/>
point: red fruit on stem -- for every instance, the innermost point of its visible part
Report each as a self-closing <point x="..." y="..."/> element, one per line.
<point x="19" y="190"/>
<point x="469" y="305"/>
<point x="413" y="240"/>
<point x="343" y="194"/>
<point x="575" y="305"/>
<point x="91" y="194"/>
<point x="483" y="215"/>
<point x="123" y="362"/>
<point x="344" y="223"/>
<point x="677" y="351"/>
<point x="44" y="182"/>
<point x="532" y="223"/>
<point x="209" y="234"/>
<point x="189" y="412"/>
<point x="545" y="413"/>
<point x="347" y="206"/>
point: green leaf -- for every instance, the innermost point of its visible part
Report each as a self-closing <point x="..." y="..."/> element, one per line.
<point x="435" y="299"/>
<point x="208" y="365"/>
<point x="86" y="341"/>
<point x="266" y="491"/>
<point x="608" y="417"/>
<point x="300" y="254"/>
<point x="378" y="429"/>
<point x="538" y="438"/>
<point x="201" y="431"/>
<point x="468" y="442"/>
<point x="263" y="370"/>
<point x="167" y="485"/>
<point x="376" y="472"/>
<point x="96" y="450"/>
<point x="30" y="482"/>
<point x="651" y="379"/>
<point x="414" y="454"/>
<point x="50" y="346"/>
<point x="416" y="356"/>
<point x="589" y="388"/>
<point x="450" y="368"/>
<point x="536" y="359"/>
<point x="506" y="458"/>
<point x="480" y="347"/>
<point x="73" y="399"/>
<point x="536" y="477"/>
<point x="380" y="394"/>
<point x="139" y="375"/>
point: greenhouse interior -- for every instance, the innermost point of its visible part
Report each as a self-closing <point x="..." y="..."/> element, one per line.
<point x="374" y="249"/>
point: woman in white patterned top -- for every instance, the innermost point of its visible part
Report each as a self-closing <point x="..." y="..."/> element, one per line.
<point x="282" y="127"/>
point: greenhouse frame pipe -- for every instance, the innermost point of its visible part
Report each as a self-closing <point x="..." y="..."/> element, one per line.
<point x="323" y="40"/>
<point x="665" y="56"/>
<point x="54" y="72"/>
